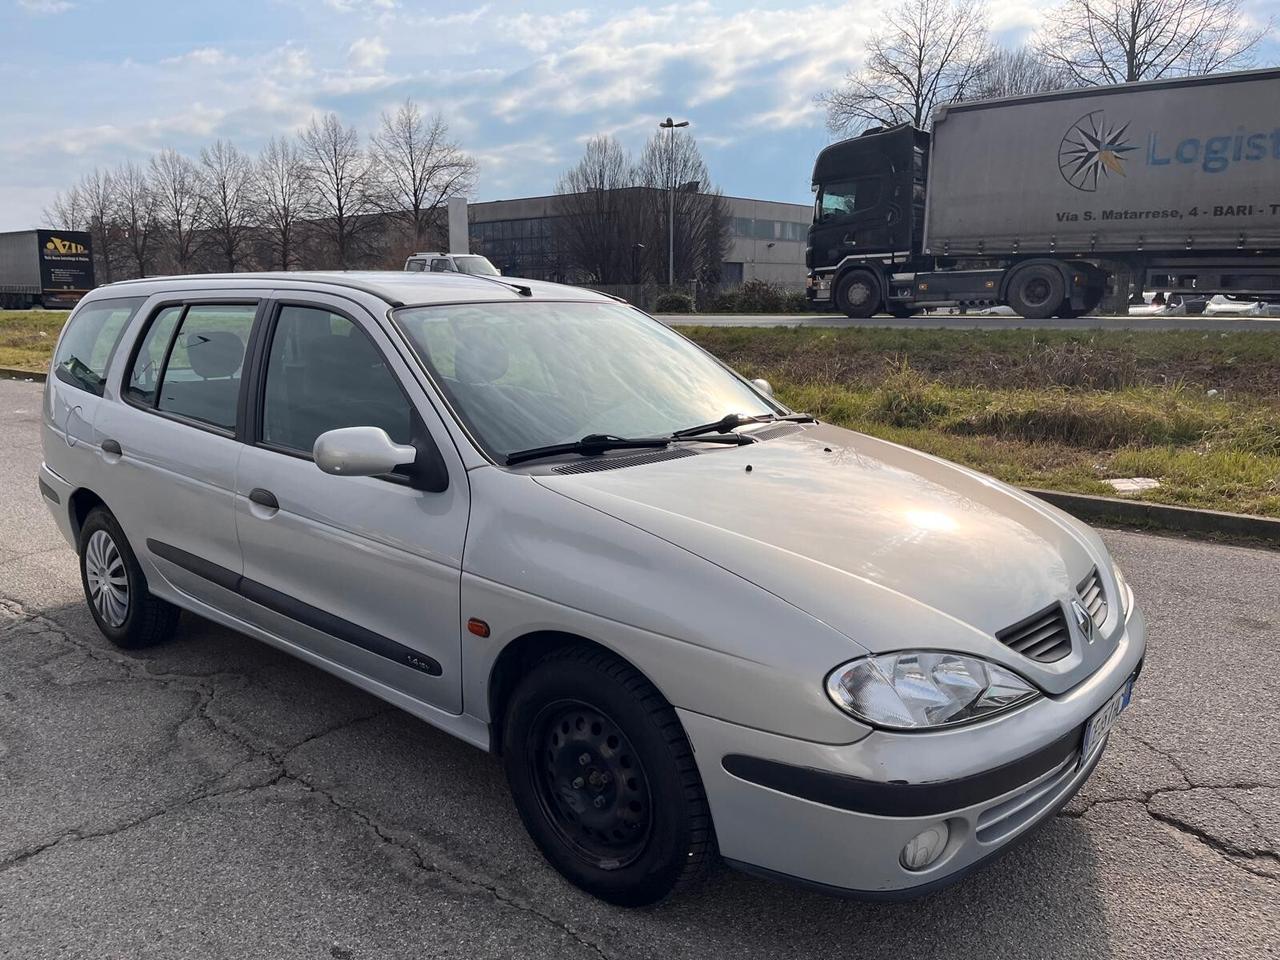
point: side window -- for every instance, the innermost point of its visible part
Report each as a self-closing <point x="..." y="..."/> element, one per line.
<point x="89" y="342"/>
<point x="201" y="378"/>
<point x="843" y="198"/>
<point x="323" y="372"/>
<point x="416" y="266"/>
<point x="440" y="266"/>
<point x="149" y="363"/>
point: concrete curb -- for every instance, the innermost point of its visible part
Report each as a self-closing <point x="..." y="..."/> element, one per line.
<point x="1202" y="523"/>
<point x="12" y="373"/>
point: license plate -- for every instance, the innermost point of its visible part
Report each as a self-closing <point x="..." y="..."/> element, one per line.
<point x="1100" y="724"/>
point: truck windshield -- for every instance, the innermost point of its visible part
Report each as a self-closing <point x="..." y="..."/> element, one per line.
<point x="531" y="374"/>
<point x="842" y="198"/>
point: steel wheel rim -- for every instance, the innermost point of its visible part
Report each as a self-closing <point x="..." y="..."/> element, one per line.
<point x="859" y="292"/>
<point x="106" y="578"/>
<point x="601" y="809"/>
<point x="1037" y="291"/>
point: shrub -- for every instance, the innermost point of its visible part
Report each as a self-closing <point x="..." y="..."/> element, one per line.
<point x="726" y="301"/>
<point x="794" y="301"/>
<point x="757" y="296"/>
<point x="672" y="302"/>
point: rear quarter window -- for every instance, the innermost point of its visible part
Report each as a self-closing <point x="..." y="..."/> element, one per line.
<point x="90" y="341"/>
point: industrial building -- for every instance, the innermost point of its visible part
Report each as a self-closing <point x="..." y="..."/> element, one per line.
<point x="766" y="239"/>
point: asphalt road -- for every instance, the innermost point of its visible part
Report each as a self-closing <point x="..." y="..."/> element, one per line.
<point x="214" y="798"/>
<point x="972" y="322"/>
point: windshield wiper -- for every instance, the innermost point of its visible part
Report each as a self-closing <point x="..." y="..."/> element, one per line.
<point x="731" y="420"/>
<point x="594" y="443"/>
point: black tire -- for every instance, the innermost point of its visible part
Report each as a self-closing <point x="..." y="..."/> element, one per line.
<point x="144" y="620"/>
<point x="858" y="295"/>
<point x="630" y="824"/>
<point x="1037" y="292"/>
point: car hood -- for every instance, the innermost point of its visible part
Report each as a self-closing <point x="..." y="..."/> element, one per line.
<point x="890" y="546"/>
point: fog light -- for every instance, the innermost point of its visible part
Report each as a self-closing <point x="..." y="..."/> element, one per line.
<point x="925" y="847"/>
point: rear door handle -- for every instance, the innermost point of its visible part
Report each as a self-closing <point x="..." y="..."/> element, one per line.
<point x="112" y="447"/>
<point x="264" y="498"/>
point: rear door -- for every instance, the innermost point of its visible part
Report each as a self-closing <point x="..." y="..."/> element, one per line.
<point x="168" y="446"/>
<point x="76" y="383"/>
<point x="363" y="571"/>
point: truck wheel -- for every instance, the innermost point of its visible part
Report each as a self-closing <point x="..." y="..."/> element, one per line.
<point x="1037" y="292"/>
<point x="604" y="778"/>
<point x="858" y="295"/>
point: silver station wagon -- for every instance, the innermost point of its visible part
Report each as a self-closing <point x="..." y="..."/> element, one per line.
<point x="692" y="622"/>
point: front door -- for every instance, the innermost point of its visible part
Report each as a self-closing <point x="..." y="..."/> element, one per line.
<point x="363" y="571"/>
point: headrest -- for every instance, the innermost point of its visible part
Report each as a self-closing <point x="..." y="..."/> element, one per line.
<point x="480" y="357"/>
<point x="217" y="353"/>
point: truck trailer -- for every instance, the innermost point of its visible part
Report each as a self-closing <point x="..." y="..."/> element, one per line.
<point x="44" y="268"/>
<point x="1037" y="201"/>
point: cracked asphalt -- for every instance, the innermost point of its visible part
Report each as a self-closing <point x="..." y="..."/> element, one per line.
<point x="215" y="798"/>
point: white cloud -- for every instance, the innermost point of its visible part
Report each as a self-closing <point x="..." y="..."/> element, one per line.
<point x="368" y="55"/>
<point x="45" y="7"/>
<point x="204" y="56"/>
<point x="353" y="6"/>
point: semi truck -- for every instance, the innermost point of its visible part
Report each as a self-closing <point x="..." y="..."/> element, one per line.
<point x="44" y="268"/>
<point x="1038" y="202"/>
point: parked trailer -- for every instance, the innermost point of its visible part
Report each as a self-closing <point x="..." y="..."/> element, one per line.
<point x="44" y="268"/>
<point x="1036" y="201"/>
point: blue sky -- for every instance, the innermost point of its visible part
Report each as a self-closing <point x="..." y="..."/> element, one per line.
<point x="94" y="82"/>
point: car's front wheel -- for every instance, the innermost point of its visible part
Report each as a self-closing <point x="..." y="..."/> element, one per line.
<point x="604" y="778"/>
<point x="116" y="589"/>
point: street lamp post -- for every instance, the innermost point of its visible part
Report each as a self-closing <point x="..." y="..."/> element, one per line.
<point x="669" y="124"/>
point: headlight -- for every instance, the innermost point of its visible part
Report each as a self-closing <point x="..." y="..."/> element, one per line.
<point x="918" y="689"/>
<point x="1125" y="591"/>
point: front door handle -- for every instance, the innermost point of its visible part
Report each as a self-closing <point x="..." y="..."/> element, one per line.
<point x="112" y="447"/>
<point x="264" y="498"/>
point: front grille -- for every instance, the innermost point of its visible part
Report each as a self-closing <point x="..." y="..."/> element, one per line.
<point x="617" y="463"/>
<point x="1043" y="636"/>
<point x="1094" y="600"/>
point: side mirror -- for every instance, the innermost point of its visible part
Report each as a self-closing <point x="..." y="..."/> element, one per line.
<point x="764" y="386"/>
<point x="360" y="452"/>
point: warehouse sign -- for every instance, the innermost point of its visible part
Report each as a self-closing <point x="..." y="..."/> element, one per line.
<point x="66" y="266"/>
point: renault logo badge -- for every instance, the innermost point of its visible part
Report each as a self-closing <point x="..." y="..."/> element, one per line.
<point x="1083" y="620"/>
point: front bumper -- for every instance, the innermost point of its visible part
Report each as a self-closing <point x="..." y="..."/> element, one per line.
<point x="990" y="783"/>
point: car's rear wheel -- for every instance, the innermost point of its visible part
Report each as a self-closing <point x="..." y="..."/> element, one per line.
<point x="116" y="589"/>
<point x="604" y="778"/>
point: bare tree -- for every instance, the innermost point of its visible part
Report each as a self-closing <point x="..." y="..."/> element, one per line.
<point x="136" y="204"/>
<point x="598" y="226"/>
<point x="421" y="167"/>
<point x="701" y="218"/>
<point x="67" y="211"/>
<point x="344" y="181"/>
<point x="928" y="53"/>
<point x="1122" y="41"/>
<point x="1016" y="73"/>
<point x="98" y="193"/>
<point x="175" y="186"/>
<point x="284" y="198"/>
<point x="227" y="192"/>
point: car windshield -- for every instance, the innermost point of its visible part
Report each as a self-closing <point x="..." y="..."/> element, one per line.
<point x="476" y="266"/>
<point x="528" y="374"/>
